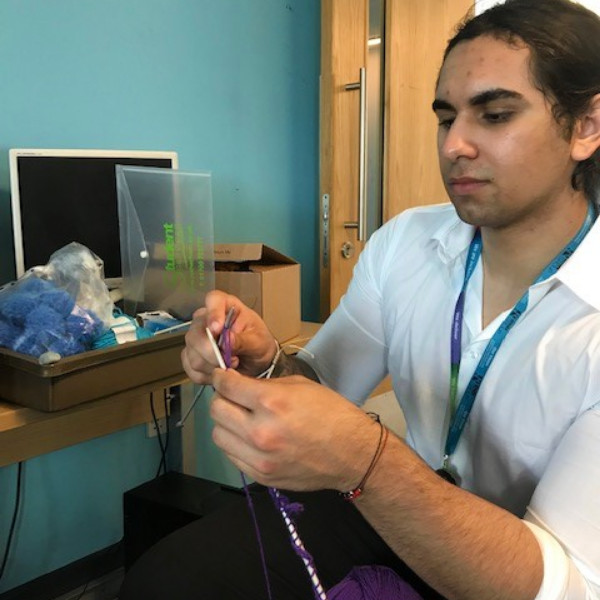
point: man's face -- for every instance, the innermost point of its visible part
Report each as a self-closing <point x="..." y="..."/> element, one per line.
<point x="503" y="157"/>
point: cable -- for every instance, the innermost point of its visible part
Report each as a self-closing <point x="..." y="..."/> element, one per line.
<point x="182" y="421"/>
<point x="163" y="456"/>
<point x="83" y="591"/>
<point x="92" y="576"/>
<point x="166" y="398"/>
<point x="14" y="519"/>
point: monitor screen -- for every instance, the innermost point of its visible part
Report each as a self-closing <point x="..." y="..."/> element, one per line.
<point x="63" y="196"/>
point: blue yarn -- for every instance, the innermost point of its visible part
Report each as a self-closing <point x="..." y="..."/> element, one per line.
<point x="83" y="328"/>
<point x="62" y="302"/>
<point x="44" y="317"/>
<point x="36" y="317"/>
<point x="8" y="333"/>
<point x="26" y="343"/>
<point x="16" y="307"/>
<point x="108" y="338"/>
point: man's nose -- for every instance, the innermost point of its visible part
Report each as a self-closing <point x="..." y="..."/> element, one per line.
<point x="458" y="142"/>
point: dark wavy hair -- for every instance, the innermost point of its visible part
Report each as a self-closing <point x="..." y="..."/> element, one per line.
<point x="564" y="41"/>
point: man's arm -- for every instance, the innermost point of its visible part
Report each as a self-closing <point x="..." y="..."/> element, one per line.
<point x="462" y="545"/>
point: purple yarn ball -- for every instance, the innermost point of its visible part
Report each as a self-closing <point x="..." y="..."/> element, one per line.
<point x="373" y="583"/>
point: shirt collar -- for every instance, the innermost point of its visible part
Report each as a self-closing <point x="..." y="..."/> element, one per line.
<point x="580" y="273"/>
<point x="452" y="238"/>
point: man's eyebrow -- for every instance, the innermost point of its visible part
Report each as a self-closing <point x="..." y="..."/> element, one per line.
<point x="479" y="99"/>
<point x="441" y="105"/>
<point x="495" y="94"/>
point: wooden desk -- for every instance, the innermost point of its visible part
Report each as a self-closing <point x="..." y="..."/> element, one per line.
<point x="25" y="432"/>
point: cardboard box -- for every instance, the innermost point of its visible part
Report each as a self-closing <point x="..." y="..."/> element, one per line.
<point x="265" y="280"/>
<point x="135" y="367"/>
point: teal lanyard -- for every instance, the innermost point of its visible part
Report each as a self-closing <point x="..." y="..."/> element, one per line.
<point x="460" y="414"/>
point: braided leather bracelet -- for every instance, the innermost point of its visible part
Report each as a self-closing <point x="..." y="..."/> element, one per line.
<point x="383" y="436"/>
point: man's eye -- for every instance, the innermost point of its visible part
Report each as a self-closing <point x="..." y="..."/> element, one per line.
<point x="445" y="122"/>
<point x="498" y="117"/>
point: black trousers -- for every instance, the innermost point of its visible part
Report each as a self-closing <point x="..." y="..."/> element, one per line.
<point x="217" y="557"/>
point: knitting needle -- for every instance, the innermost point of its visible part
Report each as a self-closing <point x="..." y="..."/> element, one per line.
<point x="211" y="339"/>
<point x="228" y="320"/>
<point x="215" y="348"/>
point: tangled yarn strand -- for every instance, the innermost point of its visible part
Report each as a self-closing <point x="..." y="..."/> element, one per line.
<point x="283" y="505"/>
<point x="281" y="502"/>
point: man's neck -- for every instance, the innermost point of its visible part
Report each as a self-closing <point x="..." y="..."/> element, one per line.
<point x="514" y="257"/>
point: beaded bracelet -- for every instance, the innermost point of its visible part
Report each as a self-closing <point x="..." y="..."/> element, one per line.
<point x="383" y="436"/>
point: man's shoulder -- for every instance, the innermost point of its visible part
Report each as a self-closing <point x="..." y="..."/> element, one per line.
<point x="422" y="223"/>
<point x="431" y="216"/>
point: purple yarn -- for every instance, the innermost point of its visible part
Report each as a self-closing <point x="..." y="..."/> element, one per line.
<point x="291" y="509"/>
<point x="287" y="509"/>
<point x="373" y="583"/>
<point x="261" y="549"/>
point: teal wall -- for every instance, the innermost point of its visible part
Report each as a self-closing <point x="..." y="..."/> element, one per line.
<point x="232" y="86"/>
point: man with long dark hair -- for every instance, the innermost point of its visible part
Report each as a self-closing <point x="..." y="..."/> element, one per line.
<point x="486" y="314"/>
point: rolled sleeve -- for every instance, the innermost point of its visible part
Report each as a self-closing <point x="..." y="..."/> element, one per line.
<point x="564" y="514"/>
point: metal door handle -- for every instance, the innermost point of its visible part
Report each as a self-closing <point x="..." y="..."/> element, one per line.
<point x="362" y="157"/>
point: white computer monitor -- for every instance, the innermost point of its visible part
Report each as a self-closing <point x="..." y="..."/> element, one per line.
<point x="70" y="195"/>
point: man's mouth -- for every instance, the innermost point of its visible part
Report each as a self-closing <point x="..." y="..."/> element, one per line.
<point x="462" y="186"/>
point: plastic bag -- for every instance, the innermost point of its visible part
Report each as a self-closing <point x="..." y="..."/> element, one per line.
<point x="61" y="307"/>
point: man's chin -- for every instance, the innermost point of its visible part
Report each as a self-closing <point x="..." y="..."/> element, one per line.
<point x="468" y="212"/>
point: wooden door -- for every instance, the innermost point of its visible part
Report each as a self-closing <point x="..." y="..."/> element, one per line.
<point x="343" y="53"/>
<point x="416" y="32"/>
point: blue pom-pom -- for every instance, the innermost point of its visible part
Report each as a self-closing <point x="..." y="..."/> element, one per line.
<point x="59" y="300"/>
<point x="33" y="285"/>
<point x="66" y="345"/>
<point x="27" y="343"/>
<point x="36" y="317"/>
<point x="45" y="318"/>
<point x="16" y="307"/>
<point x="8" y="334"/>
<point x="85" y="327"/>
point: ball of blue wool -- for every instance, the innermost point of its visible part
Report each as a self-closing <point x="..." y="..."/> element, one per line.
<point x="33" y="285"/>
<point x="58" y="299"/>
<point x="45" y="318"/>
<point x="47" y="340"/>
<point x="84" y="329"/>
<point x="16" y="306"/>
<point x="8" y="333"/>
<point x="65" y="345"/>
<point x="27" y="343"/>
<point x="20" y="299"/>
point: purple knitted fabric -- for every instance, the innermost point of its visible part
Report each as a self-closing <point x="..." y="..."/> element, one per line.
<point x="372" y="583"/>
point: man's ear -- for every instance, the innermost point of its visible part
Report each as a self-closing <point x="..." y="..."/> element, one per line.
<point x="586" y="135"/>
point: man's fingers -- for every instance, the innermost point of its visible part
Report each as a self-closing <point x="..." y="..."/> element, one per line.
<point x="199" y="376"/>
<point x="237" y="388"/>
<point x="217" y="305"/>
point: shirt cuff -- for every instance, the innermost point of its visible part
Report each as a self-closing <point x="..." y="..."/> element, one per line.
<point x="562" y="580"/>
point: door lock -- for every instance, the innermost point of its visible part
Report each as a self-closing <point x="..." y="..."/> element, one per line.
<point x="348" y="249"/>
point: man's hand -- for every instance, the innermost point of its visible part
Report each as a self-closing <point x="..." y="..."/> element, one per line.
<point x="252" y="344"/>
<point x="291" y="432"/>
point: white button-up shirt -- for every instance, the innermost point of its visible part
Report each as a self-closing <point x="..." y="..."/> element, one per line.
<point x="532" y="441"/>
